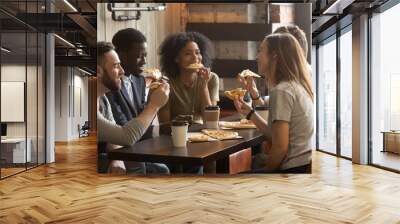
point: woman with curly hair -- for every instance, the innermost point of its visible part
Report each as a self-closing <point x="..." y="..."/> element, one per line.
<point x="192" y="89"/>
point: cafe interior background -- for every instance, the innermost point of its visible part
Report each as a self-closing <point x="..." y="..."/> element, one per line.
<point x="47" y="65"/>
<point x="235" y="29"/>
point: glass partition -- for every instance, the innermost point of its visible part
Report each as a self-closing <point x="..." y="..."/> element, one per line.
<point x="346" y="93"/>
<point x="14" y="145"/>
<point x="385" y="89"/>
<point x="327" y="96"/>
<point x="22" y="90"/>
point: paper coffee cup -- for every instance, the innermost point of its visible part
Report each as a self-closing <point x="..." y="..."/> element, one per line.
<point x="263" y="111"/>
<point x="179" y="131"/>
<point x="211" y="117"/>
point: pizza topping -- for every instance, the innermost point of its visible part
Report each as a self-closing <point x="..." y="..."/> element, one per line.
<point x="231" y="94"/>
<point x="220" y="134"/>
<point x="153" y="73"/>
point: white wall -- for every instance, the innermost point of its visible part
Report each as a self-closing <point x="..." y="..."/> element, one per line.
<point x="33" y="127"/>
<point x="16" y="73"/>
<point x="71" y="93"/>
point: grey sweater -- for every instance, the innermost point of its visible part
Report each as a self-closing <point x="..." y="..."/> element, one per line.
<point x="108" y="131"/>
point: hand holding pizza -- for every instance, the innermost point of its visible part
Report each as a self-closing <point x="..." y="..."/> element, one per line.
<point x="246" y="79"/>
<point x="204" y="75"/>
<point x="241" y="106"/>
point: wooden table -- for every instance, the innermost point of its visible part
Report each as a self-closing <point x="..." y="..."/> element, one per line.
<point x="161" y="150"/>
<point x="391" y="141"/>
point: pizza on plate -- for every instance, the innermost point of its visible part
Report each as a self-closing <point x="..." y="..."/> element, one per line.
<point x="220" y="134"/>
<point x="198" y="138"/>
<point x="231" y="94"/>
<point x="248" y="73"/>
<point x="243" y="124"/>
<point x="245" y="121"/>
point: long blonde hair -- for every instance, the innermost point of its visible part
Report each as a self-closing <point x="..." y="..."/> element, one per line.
<point x="291" y="63"/>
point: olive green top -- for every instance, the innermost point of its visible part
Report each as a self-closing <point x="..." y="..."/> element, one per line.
<point x="185" y="100"/>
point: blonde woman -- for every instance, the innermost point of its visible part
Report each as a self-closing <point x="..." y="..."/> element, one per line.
<point x="249" y="84"/>
<point x="290" y="123"/>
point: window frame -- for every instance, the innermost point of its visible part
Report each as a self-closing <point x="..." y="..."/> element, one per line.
<point x="334" y="37"/>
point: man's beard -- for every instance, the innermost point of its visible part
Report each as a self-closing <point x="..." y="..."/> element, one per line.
<point x="110" y="83"/>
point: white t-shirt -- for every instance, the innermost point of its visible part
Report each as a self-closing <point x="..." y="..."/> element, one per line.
<point x="290" y="102"/>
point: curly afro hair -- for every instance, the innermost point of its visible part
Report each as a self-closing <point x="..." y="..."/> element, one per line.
<point x="174" y="43"/>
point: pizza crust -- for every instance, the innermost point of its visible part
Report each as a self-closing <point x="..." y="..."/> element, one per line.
<point x="248" y="73"/>
<point x="199" y="138"/>
<point x="195" y="66"/>
<point x="245" y="121"/>
<point x="154" y="85"/>
<point x="237" y="124"/>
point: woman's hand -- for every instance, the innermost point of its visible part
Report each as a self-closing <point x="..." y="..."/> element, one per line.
<point x="241" y="106"/>
<point x="249" y="84"/>
<point x="205" y="75"/>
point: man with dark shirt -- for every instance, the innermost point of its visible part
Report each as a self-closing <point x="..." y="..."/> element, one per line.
<point x="131" y="46"/>
<point x="129" y="102"/>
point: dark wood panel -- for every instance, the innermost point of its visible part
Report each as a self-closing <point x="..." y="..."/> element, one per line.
<point x="228" y="68"/>
<point x="231" y="31"/>
<point x="79" y="61"/>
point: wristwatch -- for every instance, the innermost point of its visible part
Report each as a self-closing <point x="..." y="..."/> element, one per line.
<point x="248" y="116"/>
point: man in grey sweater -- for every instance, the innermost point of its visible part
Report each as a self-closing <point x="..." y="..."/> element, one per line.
<point x="109" y="72"/>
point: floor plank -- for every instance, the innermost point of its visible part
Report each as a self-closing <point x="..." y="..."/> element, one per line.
<point x="70" y="191"/>
<point x="387" y="159"/>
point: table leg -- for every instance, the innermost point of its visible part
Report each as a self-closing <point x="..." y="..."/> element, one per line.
<point x="210" y="168"/>
<point x="223" y="165"/>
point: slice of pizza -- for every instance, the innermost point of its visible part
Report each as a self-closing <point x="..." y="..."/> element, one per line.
<point x="220" y="134"/>
<point x="154" y="85"/>
<point x="199" y="138"/>
<point x="245" y="121"/>
<point x="248" y="73"/>
<point x="152" y="73"/>
<point x="238" y="124"/>
<point x="231" y="94"/>
<point x="195" y="66"/>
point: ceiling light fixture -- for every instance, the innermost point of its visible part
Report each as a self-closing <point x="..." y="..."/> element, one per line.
<point x="65" y="41"/>
<point x="70" y="6"/>
<point x="84" y="71"/>
<point x="337" y="7"/>
<point x="111" y="7"/>
<point x="5" y="50"/>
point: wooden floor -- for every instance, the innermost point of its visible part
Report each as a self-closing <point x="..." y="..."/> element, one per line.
<point x="386" y="159"/>
<point x="5" y="172"/>
<point x="70" y="191"/>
